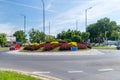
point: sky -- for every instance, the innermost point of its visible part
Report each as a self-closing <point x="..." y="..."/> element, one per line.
<point x="59" y="14"/>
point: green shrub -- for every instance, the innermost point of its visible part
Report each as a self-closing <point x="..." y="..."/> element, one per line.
<point x="72" y="44"/>
<point x="54" y="42"/>
<point x="35" y="44"/>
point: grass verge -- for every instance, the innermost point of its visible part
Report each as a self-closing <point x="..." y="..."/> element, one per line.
<point x="9" y="75"/>
<point x="103" y="47"/>
<point x="4" y="48"/>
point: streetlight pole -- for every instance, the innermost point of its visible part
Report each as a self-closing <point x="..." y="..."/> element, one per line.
<point x="24" y="17"/>
<point x="49" y="28"/>
<point x="24" y="23"/>
<point x="43" y="4"/>
<point x="76" y="25"/>
<point x="86" y="16"/>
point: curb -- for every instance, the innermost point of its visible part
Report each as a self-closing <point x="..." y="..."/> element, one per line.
<point x="40" y="76"/>
<point x="69" y="53"/>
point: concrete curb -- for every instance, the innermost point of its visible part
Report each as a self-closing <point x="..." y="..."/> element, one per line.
<point x="69" y="53"/>
<point x="40" y="76"/>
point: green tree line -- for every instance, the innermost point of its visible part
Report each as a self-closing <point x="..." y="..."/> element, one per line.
<point x="96" y="32"/>
<point x="104" y="29"/>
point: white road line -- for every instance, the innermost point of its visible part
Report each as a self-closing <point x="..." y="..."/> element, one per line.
<point x="75" y="71"/>
<point x="107" y="69"/>
<point x="41" y="72"/>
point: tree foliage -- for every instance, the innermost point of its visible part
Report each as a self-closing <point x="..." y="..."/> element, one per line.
<point x="20" y="36"/>
<point x="3" y="40"/>
<point x="85" y="36"/>
<point x="70" y="35"/>
<point x="50" y="38"/>
<point x="103" y="28"/>
<point x="36" y="36"/>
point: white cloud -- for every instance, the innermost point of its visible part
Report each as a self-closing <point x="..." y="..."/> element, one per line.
<point x="66" y="19"/>
<point x="19" y="4"/>
<point x="100" y="9"/>
<point x="47" y="8"/>
<point x="7" y="28"/>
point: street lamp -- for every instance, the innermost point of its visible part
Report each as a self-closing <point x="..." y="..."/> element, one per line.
<point x="43" y="4"/>
<point x="76" y="25"/>
<point x="86" y="16"/>
<point x="24" y="17"/>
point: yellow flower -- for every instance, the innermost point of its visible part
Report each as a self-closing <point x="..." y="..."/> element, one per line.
<point x="54" y="42"/>
<point x="73" y="44"/>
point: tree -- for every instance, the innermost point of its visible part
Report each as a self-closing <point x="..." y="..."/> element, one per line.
<point x="3" y="40"/>
<point x="70" y="35"/>
<point x="76" y="38"/>
<point x="115" y="35"/>
<point x="20" y="36"/>
<point x="85" y="36"/>
<point x="103" y="28"/>
<point x="50" y="38"/>
<point x="36" y="36"/>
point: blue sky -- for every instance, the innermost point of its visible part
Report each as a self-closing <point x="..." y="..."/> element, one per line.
<point x="62" y="14"/>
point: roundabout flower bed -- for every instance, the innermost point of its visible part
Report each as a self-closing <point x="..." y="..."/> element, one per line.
<point x="57" y="46"/>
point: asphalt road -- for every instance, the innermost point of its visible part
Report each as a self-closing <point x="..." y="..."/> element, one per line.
<point x="87" y="67"/>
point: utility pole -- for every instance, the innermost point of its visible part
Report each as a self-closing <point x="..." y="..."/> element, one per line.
<point x="43" y="5"/>
<point x="24" y="22"/>
<point x="24" y="17"/>
<point x="49" y="28"/>
<point x="76" y="25"/>
<point x="86" y="16"/>
<point x="25" y="25"/>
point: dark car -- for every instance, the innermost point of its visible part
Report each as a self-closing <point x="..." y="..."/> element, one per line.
<point x="118" y="47"/>
<point x="15" y="47"/>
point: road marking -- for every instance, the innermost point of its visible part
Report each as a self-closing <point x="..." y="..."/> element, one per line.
<point x="75" y="71"/>
<point x="41" y="72"/>
<point x="107" y="69"/>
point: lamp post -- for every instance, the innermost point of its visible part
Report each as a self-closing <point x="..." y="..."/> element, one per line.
<point x="86" y="16"/>
<point x="24" y="17"/>
<point x="43" y="5"/>
<point x="76" y="25"/>
<point x="49" y="30"/>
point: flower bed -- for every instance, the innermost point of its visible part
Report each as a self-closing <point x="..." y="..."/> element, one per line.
<point x="64" y="46"/>
<point x="52" y="45"/>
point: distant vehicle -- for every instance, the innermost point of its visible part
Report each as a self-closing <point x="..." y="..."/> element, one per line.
<point x="118" y="47"/>
<point x="15" y="47"/>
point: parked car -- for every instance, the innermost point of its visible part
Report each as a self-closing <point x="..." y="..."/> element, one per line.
<point x="15" y="47"/>
<point x="118" y="47"/>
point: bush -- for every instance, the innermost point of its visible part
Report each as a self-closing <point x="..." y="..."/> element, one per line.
<point x="64" y="46"/>
<point x="35" y="44"/>
<point x="47" y="47"/>
<point x="54" y="45"/>
<point x="33" y="47"/>
<point x="81" y="46"/>
<point x="72" y="44"/>
<point x="89" y="46"/>
<point x="62" y="41"/>
<point x="54" y="42"/>
<point x="76" y="38"/>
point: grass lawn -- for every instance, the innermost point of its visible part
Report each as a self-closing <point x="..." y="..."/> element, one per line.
<point x="4" y="48"/>
<point x="103" y="47"/>
<point x="8" y="75"/>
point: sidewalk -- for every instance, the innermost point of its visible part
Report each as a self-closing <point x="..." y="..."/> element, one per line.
<point x="79" y="52"/>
